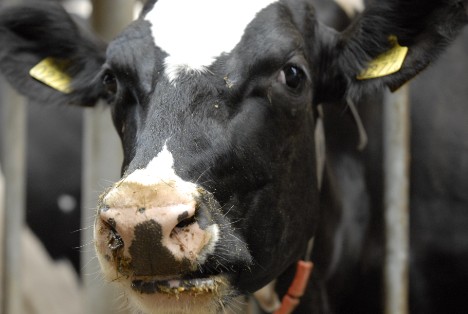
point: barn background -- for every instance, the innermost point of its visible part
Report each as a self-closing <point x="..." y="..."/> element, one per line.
<point x="47" y="154"/>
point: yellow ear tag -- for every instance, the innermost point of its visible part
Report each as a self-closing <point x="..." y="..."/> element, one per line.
<point x="51" y="72"/>
<point x="387" y="63"/>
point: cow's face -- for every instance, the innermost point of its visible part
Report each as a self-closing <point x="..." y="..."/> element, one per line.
<point x="214" y="104"/>
<point x="218" y="193"/>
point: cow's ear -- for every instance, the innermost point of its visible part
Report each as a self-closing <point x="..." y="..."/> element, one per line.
<point x="46" y="56"/>
<point x="388" y="44"/>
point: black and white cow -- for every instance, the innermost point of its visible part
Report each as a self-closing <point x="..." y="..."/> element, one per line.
<point x="438" y="215"/>
<point x="216" y="106"/>
<point x="53" y="178"/>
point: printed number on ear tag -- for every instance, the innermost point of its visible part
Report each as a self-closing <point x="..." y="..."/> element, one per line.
<point x="51" y="72"/>
<point x="387" y="63"/>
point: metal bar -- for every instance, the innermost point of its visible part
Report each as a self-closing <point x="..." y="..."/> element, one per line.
<point x="396" y="200"/>
<point x="102" y="161"/>
<point x="13" y="127"/>
<point x="2" y="226"/>
<point x="13" y="132"/>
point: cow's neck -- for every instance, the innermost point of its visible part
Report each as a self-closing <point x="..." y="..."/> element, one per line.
<point x="267" y="296"/>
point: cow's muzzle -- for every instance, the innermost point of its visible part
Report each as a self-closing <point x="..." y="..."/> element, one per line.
<point x="157" y="233"/>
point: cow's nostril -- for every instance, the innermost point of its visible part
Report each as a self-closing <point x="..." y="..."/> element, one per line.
<point x="186" y="222"/>
<point x="114" y="240"/>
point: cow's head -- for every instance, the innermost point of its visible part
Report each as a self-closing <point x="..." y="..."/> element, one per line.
<point x="215" y="104"/>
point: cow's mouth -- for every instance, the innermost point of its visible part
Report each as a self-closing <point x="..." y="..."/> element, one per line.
<point x="189" y="294"/>
<point x="180" y="286"/>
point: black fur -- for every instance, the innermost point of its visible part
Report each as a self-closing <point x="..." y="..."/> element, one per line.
<point x="48" y="31"/>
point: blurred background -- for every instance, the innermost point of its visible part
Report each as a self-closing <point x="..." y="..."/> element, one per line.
<point x="47" y="153"/>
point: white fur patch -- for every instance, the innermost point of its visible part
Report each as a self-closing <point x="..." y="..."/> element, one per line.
<point x="351" y="7"/>
<point x="66" y="203"/>
<point x="161" y="170"/>
<point x="213" y="230"/>
<point x="194" y="33"/>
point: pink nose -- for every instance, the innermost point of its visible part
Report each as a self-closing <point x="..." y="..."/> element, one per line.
<point x="152" y="230"/>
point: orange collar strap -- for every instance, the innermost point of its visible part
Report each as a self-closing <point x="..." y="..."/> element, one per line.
<point x="297" y="288"/>
<point x="292" y="298"/>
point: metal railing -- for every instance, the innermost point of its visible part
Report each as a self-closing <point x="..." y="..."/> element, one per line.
<point x="13" y="130"/>
<point x="396" y="142"/>
<point x="102" y="160"/>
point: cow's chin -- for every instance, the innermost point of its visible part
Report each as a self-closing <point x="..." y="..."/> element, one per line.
<point x="167" y="304"/>
<point x="200" y="295"/>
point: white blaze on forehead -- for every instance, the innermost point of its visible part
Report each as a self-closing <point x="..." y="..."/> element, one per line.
<point x="159" y="171"/>
<point x="193" y="33"/>
<point x="159" y="168"/>
<point x="351" y="7"/>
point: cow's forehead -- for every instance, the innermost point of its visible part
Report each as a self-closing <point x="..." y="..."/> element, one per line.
<point x="194" y="33"/>
<point x="351" y="7"/>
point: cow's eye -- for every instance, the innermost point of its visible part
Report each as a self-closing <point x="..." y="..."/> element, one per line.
<point x="293" y="76"/>
<point x="109" y="81"/>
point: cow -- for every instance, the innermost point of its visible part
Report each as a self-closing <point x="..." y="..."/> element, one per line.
<point x="438" y="217"/>
<point x="217" y="105"/>
<point x="53" y="209"/>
